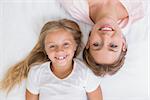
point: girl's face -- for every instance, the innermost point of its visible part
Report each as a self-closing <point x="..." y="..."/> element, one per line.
<point x="60" y="47"/>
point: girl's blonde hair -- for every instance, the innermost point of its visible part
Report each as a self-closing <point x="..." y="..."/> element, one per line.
<point x="19" y="71"/>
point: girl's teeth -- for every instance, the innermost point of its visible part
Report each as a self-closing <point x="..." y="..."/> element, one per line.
<point x="60" y="58"/>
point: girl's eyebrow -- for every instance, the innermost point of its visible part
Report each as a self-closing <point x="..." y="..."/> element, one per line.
<point x="49" y="42"/>
<point x="67" y="40"/>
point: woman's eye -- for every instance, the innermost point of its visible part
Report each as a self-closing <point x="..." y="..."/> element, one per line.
<point x="96" y="44"/>
<point x="112" y="45"/>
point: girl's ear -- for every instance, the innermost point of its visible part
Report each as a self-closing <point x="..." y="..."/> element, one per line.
<point x="87" y="45"/>
<point x="75" y="48"/>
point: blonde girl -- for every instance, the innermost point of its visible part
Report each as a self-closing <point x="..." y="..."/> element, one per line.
<point x="51" y="69"/>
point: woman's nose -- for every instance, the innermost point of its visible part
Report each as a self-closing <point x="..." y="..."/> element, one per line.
<point x="107" y="38"/>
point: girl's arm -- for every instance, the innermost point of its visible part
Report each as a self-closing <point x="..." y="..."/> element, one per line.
<point x="30" y="96"/>
<point x="95" y="95"/>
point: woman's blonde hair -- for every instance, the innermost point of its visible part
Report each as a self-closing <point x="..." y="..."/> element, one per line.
<point x="103" y="69"/>
<point x="19" y="71"/>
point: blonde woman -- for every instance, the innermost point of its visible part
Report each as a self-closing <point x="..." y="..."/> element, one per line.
<point x="110" y="19"/>
<point x="51" y="69"/>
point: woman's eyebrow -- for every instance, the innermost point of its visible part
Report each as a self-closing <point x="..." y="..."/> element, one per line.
<point x="109" y="49"/>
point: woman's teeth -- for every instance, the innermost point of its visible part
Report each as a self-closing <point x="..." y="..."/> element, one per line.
<point x="106" y="29"/>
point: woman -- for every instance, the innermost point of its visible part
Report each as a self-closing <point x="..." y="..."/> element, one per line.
<point x="106" y="47"/>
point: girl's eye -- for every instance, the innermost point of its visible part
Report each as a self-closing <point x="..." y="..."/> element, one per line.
<point x="52" y="46"/>
<point x="66" y="45"/>
<point x="112" y="45"/>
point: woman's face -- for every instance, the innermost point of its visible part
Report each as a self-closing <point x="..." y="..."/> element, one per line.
<point x="60" y="47"/>
<point x="106" y="41"/>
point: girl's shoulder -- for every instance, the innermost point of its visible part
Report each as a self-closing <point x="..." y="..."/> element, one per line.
<point x="81" y="66"/>
<point x="80" y="63"/>
<point x="90" y="80"/>
<point x="40" y="67"/>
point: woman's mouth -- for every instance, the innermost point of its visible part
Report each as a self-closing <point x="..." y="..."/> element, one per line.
<point x="106" y="28"/>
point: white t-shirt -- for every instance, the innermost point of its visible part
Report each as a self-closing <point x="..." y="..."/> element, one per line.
<point x="79" y="10"/>
<point x="42" y="81"/>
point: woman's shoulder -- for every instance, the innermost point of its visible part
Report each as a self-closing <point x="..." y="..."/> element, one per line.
<point x="136" y="9"/>
<point x="78" y="9"/>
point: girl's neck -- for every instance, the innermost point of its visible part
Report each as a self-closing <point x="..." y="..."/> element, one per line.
<point x="62" y="72"/>
<point x="106" y="8"/>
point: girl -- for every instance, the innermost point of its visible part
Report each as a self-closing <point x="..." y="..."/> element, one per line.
<point x="55" y="73"/>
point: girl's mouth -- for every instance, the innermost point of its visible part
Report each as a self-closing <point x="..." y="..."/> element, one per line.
<point x="61" y="57"/>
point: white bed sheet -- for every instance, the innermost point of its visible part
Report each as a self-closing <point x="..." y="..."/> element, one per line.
<point x="20" y="24"/>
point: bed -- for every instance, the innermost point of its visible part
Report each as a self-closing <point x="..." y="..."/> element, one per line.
<point x="20" y="24"/>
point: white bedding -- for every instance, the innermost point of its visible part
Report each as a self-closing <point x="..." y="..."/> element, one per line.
<point x="20" y="24"/>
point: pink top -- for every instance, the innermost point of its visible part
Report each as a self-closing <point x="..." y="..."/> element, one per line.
<point x="79" y="9"/>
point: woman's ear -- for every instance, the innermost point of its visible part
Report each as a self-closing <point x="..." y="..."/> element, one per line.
<point x="124" y="46"/>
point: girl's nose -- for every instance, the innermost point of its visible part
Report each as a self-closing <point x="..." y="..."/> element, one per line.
<point x="59" y="49"/>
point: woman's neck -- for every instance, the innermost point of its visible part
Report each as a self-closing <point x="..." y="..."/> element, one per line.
<point x="106" y="8"/>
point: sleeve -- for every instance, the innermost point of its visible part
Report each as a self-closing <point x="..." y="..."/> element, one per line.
<point x="66" y="4"/>
<point x="77" y="9"/>
<point x="92" y="81"/>
<point x="136" y="9"/>
<point x="32" y="81"/>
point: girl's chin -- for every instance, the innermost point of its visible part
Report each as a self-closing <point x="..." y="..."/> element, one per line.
<point x="60" y="64"/>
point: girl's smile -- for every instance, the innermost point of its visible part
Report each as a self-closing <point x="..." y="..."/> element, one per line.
<point x="60" y="47"/>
